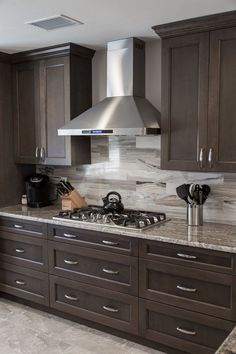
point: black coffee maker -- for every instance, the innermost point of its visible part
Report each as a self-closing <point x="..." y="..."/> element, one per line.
<point x="37" y="190"/>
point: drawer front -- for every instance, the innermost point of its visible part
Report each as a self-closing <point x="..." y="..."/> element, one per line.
<point x="94" y="239"/>
<point x="188" y="256"/>
<point x="197" y="290"/>
<point x="184" y="330"/>
<point x="24" y="251"/>
<point x="107" y="307"/>
<point x="108" y="270"/>
<point x="23" y="227"/>
<point x="25" y="283"/>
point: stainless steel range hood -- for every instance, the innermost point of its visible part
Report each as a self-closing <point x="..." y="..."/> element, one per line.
<point x="125" y="111"/>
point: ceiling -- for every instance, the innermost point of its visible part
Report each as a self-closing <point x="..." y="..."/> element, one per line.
<point x="104" y="20"/>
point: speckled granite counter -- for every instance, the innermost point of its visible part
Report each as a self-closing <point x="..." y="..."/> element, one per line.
<point x="229" y="345"/>
<point x="211" y="236"/>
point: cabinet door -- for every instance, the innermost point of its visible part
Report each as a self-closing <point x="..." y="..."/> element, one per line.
<point x="26" y="112"/>
<point x="222" y="101"/>
<point x="184" y="102"/>
<point x="55" y="110"/>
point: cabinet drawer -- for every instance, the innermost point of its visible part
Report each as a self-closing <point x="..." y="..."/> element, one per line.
<point x="25" y="283"/>
<point x="107" y="307"/>
<point x="24" y="251"/>
<point x="95" y="239"/>
<point x="185" y="330"/>
<point x="19" y="226"/>
<point x="197" y="290"/>
<point x="189" y="256"/>
<point x="108" y="270"/>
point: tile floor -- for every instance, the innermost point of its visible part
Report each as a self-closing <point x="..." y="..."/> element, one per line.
<point x="24" y="330"/>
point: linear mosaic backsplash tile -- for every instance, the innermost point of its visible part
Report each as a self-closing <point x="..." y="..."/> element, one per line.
<point x="131" y="166"/>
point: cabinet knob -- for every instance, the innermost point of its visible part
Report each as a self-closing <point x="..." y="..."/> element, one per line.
<point x="109" y="271"/>
<point x="71" y="297"/>
<point x="20" y="282"/>
<point x="201" y="157"/>
<point x="20" y="250"/>
<point x="210" y="155"/>
<point x="110" y="309"/>
<point x="16" y="226"/>
<point x="110" y="243"/>
<point x="186" y="331"/>
<point x="42" y="154"/>
<point x="69" y="235"/>
<point x="186" y="256"/>
<point x="184" y="288"/>
<point x="37" y="150"/>
<point x="67" y="261"/>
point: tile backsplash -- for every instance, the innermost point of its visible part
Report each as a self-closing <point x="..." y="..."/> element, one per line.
<point x="131" y="166"/>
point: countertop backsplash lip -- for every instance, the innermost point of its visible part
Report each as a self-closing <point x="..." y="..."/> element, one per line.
<point x="218" y="237"/>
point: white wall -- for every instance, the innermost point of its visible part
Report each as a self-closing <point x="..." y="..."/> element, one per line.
<point x="153" y="74"/>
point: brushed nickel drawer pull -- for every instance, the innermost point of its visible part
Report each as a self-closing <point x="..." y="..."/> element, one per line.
<point x="110" y="309"/>
<point x="72" y="298"/>
<point x="183" y="288"/>
<point x="185" y="331"/>
<point x="187" y="256"/>
<point x="109" y="271"/>
<point x="201" y="155"/>
<point x="20" y="282"/>
<point x="110" y="243"/>
<point x="20" y="250"/>
<point x="67" y="261"/>
<point x="70" y="235"/>
<point x="16" y="226"/>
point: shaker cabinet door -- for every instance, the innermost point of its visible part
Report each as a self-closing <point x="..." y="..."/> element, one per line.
<point x="26" y="112"/>
<point x="222" y="101"/>
<point x="184" y="102"/>
<point x="55" y="109"/>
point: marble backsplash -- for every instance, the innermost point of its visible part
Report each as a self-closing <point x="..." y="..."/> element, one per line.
<point x="131" y="166"/>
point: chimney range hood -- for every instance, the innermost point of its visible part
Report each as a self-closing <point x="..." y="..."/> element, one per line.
<point x="125" y="111"/>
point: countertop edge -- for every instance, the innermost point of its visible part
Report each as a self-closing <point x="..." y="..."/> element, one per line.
<point x="112" y="230"/>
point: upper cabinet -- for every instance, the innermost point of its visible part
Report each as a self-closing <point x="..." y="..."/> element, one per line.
<point x="198" y="94"/>
<point x="51" y="86"/>
<point x="26" y="111"/>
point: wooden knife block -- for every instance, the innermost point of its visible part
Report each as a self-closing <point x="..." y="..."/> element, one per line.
<point x="73" y="200"/>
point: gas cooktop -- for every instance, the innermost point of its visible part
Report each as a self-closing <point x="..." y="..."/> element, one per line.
<point x="130" y="219"/>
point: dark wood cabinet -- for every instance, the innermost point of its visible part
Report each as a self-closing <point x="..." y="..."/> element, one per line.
<point x="173" y="295"/>
<point x="110" y="308"/>
<point x="104" y="269"/>
<point x="51" y="87"/>
<point x="198" y="84"/>
<point x="94" y="239"/>
<point x="222" y="103"/>
<point x="24" y="283"/>
<point x="26" y="111"/>
<point x="201" y="291"/>
<point x="185" y="330"/>
<point x="184" y="102"/>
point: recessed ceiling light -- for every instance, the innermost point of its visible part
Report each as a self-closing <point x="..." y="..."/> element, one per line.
<point x="54" y="22"/>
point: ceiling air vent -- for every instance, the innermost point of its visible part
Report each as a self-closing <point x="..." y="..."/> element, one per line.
<point x="55" y="22"/>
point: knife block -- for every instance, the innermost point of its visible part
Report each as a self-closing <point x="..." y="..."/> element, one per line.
<point x="73" y="200"/>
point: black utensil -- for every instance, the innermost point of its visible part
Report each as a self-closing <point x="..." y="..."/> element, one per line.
<point x="182" y="192"/>
<point x="196" y="194"/>
<point x="206" y="189"/>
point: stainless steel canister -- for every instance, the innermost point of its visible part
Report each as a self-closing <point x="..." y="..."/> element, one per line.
<point x="195" y="214"/>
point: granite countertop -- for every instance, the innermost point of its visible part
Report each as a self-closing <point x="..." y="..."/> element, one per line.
<point x="213" y="236"/>
<point x="229" y="345"/>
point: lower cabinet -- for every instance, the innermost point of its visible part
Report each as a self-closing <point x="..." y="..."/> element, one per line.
<point x="184" y="330"/>
<point x="107" y="307"/>
<point x="182" y="298"/>
<point x="24" y="283"/>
